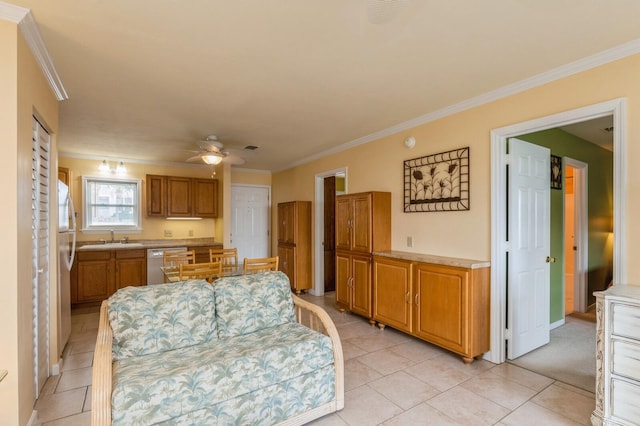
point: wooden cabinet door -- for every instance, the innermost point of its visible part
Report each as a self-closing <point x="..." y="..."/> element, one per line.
<point x="343" y="280"/>
<point x="287" y="223"/>
<point x="205" y="197"/>
<point x="361" y="285"/>
<point x="95" y="281"/>
<point x="442" y="308"/>
<point x="392" y="293"/>
<point x="131" y="268"/>
<point x="343" y="222"/>
<point x="287" y="262"/>
<point x="156" y="196"/>
<point x="179" y="197"/>
<point x="361" y="224"/>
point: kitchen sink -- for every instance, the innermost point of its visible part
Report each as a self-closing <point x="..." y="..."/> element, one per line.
<point x="109" y="246"/>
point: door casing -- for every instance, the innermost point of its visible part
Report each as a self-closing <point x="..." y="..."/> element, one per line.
<point x="499" y="246"/>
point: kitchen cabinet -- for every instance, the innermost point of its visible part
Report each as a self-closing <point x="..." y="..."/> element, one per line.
<point x="363" y="225"/>
<point x="64" y="175"/>
<point x="171" y="196"/>
<point x="444" y="301"/>
<point x="97" y="274"/>
<point x="294" y="243"/>
<point x="617" y="356"/>
<point x="156" y="196"/>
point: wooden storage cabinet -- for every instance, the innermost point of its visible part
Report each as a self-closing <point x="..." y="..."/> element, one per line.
<point x="442" y="304"/>
<point x="392" y="286"/>
<point x="96" y="275"/>
<point x="363" y="225"/>
<point x="170" y="196"/>
<point x="294" y="243"/>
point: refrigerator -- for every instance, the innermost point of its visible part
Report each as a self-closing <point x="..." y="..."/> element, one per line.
<point x="66" y="253"/>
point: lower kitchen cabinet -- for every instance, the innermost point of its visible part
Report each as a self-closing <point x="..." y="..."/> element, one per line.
<point x="97" y="274"/>
<point x="353" y="283"/>
<point x="444" y="301"/>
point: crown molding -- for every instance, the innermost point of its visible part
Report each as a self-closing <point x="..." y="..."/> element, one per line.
<point x="24" y="19"/>
<point x="610" y="55"/>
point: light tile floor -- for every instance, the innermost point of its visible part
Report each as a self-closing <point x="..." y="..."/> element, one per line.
<point x="390" y="379"/>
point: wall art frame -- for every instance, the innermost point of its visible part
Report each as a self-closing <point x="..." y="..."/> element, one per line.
<point x="438" y="182"/>
<point x="556" y="172"/>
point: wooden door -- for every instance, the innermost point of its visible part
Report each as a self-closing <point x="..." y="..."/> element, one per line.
<point x="441" y="309"/>
<point x="287" y="262"/>
<point x="329" y="241"/>
<point x="343" y="280"/>
<point x="392" y="293"/>
<point x="131" y="268"/>
<point x="95" y="282"/>
<point x="179" y="197"/>
<point x="156" y="196"/>
<point x="343" y="222"/>
<point x="205" y="197"/>
<point x="361" y="283"/>
<point x="361" y="224"/>
<point x="287" y="223"/>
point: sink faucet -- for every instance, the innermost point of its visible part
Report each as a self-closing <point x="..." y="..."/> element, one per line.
<point x="112" y="240"/>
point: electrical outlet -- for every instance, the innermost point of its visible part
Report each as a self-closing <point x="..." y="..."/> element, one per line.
<point x="409" y="241"/>
<point x="191" y="232"/>
<point x="168" y="233"/>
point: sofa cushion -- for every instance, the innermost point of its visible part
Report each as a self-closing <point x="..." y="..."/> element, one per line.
<point x="157" y="318"/>
<point x="249" y="303"/>
<point x="164" y="386"/>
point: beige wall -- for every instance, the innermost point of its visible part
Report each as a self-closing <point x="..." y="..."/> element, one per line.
<point x="378" y="165"/>
<point x="25" y="92"/>
<point x="153" y="228"/>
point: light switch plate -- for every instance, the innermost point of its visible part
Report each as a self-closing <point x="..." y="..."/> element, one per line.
<point x="168" y="233"/>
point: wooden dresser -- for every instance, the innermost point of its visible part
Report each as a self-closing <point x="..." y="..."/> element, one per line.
<point x="618" y="356"/>
<point x="443" y="300"/>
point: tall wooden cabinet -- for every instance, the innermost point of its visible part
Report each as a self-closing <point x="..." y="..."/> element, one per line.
<point x="363" y="225"/>
<point x="294" y="243"/>
<point x="442" y="300"/>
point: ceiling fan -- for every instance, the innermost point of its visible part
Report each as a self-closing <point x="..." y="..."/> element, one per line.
<point x="212" y="152"/>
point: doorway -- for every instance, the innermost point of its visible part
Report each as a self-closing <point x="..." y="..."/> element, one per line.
<point x="323" y="224"/>
<point x="250" y="220"/>
<point x="499" y="184"/>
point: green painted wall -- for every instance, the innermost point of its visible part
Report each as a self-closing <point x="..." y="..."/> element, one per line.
<point x="600" y="215"/>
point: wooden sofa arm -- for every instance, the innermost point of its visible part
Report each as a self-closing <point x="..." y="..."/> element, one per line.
<point x="316" y="318"/>
<point x="102" y="371"/>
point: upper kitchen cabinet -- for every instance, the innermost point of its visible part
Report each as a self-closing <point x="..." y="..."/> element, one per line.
<point x="170" y="196"/>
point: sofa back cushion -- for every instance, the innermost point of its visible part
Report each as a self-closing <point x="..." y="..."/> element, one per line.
<point x="249" y="303"/>
<point x="158" y="318"/>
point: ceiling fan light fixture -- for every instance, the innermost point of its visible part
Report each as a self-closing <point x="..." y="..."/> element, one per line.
<point x="211" y="159"/>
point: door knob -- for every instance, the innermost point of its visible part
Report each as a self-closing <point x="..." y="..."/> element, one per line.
<point x="550" y="259"/>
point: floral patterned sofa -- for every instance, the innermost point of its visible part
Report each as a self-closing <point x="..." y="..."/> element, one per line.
<point x="242" y="350"/>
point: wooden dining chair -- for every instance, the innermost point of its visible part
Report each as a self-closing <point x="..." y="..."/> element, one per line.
<point x="227" y="256"/>
<point x="201" y="271"/>
<point x="171" y="260"/>
<point x="257" y="265"/>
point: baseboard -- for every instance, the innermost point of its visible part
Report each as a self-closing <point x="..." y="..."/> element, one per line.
<point x="556" y="324"/>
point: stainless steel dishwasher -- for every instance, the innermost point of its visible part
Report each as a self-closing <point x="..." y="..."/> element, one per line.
<point x="154" y="263"/>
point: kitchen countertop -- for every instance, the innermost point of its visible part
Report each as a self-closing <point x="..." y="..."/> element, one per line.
<point x="148" y="244"/>
<point x="438" y="260"/>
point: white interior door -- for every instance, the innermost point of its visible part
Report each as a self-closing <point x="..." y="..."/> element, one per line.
<point x="529" y="242"/>
<point x="250" y="230"/>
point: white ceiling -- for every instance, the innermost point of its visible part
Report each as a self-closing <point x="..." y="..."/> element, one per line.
<point x="147" y="79"/>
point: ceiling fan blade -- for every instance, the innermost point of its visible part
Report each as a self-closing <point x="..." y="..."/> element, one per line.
<point x="233" y="160"/>
<point x="194" y="158"/>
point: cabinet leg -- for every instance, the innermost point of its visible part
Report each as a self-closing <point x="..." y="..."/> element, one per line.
<point x="342" y="310"/>
<point x="381" y="326"/>
<point x="467" y="360"/>
<point x="372" y="322"/>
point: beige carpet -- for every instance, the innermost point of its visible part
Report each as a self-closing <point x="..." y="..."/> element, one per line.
<point x="570" y="356"/>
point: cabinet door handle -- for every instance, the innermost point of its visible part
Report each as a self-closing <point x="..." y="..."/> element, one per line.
<point x="408" y="297"/>
<point x="416" y="299"/>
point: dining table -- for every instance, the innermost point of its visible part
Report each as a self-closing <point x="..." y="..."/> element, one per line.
<point x="172" y="273"/>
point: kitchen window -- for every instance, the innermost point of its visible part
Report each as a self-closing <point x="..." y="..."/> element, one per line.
<point x="111" y="203"/>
